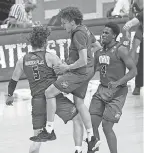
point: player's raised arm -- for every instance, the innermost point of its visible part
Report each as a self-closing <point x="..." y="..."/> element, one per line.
<point x="13" y="82"/>
<point x="123" y="54"/>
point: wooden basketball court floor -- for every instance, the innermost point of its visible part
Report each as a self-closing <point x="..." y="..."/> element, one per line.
<point x="16" y="128"/>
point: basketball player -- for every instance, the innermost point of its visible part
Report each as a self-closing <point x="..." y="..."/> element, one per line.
<point x="108" y="101"/>
<point x="37" y="66"/>
<point x="76" y="73"/>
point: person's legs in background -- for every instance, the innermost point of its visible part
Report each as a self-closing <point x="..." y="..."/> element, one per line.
<point x="139" y="77"/>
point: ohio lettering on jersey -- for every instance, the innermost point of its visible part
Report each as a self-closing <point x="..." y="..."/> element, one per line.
<point x="104" y="59"/>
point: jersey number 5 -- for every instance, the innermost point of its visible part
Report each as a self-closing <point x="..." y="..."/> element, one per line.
<point x="36" y="72"/>
<point x="103" y="70"/>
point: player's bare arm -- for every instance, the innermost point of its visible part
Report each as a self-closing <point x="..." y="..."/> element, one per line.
<point x="95" y="46"/>
<point x="53" y="61"/>
<point x="18" y="71"/>
<point x="133" y="52"/>
<point x="123" y="54"/>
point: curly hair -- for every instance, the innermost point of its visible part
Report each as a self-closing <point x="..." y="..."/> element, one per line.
<point x="115" y="28"/>
<point x="71" y="14"/>
<point x="38" y="36"/>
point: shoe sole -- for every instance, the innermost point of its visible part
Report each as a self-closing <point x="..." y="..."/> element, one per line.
<point x="43" y="140"/>
<point x="96" y="146"/>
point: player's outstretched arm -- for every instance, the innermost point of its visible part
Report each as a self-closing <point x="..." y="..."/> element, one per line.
<point x="123" y="54"/>
<point x="13" y="82"/>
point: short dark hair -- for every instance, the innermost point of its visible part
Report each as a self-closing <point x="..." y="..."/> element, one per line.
<point x="115" y="28"/>
<point x="72" y="13"/>
<point x="38" y="36"/>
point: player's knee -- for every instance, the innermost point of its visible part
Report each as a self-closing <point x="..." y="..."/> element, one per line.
<point x="49" y="92"/>
<point x="107" y="127"/>
<point x="79" y="103"/>
<point x="77" y="120"/>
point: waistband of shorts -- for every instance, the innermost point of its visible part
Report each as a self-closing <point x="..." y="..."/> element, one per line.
<point x="121" y="86"/>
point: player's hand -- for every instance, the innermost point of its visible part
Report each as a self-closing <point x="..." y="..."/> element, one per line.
<point x="60" y="69"/>
<point x="9" y="100"/>
<point x="113" y="85"/>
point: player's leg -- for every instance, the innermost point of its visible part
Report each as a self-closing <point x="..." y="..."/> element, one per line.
<point x="78" y="133"/>
<point x="66" y="83"/>
<point x="110" y="135"/>
<point x="39" y="119"/>
<point x="96" y="110"/>
<point x="139" y="76"/>
<point x="50" y="94"/>
<point x="112" y="115"/>
<point x="67" y="111"/>
<point x="85" y="115"/>
<point x="78" y="96"/>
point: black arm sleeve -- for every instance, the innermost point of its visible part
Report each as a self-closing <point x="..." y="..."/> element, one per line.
<point x="11" y="87"/>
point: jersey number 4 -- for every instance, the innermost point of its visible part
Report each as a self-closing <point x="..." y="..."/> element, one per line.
<point x="103" y="70"/>
<point x="36" y="72"/>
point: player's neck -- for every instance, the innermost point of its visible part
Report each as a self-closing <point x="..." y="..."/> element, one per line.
<point x="111" y="44"/>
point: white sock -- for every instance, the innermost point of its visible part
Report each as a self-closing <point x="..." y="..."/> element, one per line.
<point x="90" y="133"/>
<point x="50" y="126"/>
<point x="78" y="148"/>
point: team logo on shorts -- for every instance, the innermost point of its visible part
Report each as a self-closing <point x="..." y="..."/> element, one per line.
<point x="118" y="115"/>
<point x="64" y="84"/>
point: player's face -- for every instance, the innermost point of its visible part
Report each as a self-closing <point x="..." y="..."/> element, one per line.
<point x="66" y="25"/>
<point x="107" y="35"/>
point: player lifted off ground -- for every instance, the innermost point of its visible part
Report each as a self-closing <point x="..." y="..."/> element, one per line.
<point x="37" y="66"/>
<point x="107" y="103"/>
<point x="76" y="73"/>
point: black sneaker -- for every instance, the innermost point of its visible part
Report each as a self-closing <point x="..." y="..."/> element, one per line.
<point x="93" y="145"/>
<point x="44" y="136"/>
<point x="136" y="91"/>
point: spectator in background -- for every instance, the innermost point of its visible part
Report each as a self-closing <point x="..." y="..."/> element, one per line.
<point x="121" y="8"/>
<point x="20" y="15"/>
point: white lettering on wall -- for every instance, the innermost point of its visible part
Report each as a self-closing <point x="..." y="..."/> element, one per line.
<point x="29" y="48"/>
<point x="61" y="42"/>
<point x="11" y="54"/>
<point x="55" y="46"/>
<point x="2" y="58"/>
